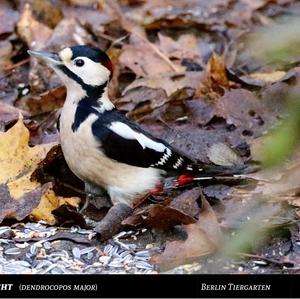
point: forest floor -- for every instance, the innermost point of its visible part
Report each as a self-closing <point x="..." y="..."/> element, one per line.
<point x="187" y="71"/>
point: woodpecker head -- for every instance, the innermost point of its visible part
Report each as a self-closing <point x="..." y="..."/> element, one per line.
<point x="86" y="66"/>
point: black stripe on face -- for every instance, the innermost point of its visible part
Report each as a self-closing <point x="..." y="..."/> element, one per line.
<point x="87" y="105"/>
<point x="91" y="91"/>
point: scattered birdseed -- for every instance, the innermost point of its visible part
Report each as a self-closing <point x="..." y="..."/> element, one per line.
<point x="48" y="257"/>
<point x="87" y="250"/>
<point x="263" y="263"/>
<point x="47" y="245"/>
<point x="12" y="251"/>
<point x="76" y="253"/>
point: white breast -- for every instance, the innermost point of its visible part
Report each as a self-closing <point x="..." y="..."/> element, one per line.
<point x="84" y="157"/>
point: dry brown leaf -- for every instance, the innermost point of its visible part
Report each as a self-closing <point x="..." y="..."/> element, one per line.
<point x="20" y="195"/>
<point x="46" y="12"/>
<point x="183" y="209"/>
<point x="50" y="202"/>
<point x="34" y="33"/>
<point x="215" y="80"/>
<point x="9" y="113"/>
<point x="241" y="108"/>
<point x="261" y="79"/>
<point x="204" y="237"/>
<point x="142" y="60"/>
<point x="8" y="17"/>
<point x="169" y="82"/>
<point x="185" y="47"/>
<point x="222" y="154"/>
<point x="46" y="102"/>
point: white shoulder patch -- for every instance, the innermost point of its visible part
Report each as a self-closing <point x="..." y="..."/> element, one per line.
<point x="126" y="132"/>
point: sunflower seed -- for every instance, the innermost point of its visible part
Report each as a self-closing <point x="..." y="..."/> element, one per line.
<point x="115" y="264"/>
<point x="122" y="245"/>
<point x="14" y="268"/>
<point x="33" y="249"/>
<point x="74" y="229"/>
<point x="43" y="264"/>
<point x="260" y="262"/>
<point x="90" y="255"/>
<point x="4" y="229"/>
<point x="87" y="250"/>
<point x="128" y="258"/>
<point x="104" y="259"/>
<point x="144" y="253"/>
<point x="20" y="263"/>
<point x="119" y="235"/>
<point x="12" y="251"/>
<point x="4" y="241"/>
<point x="124" y="253"/>
<point x="108" y="248"/>
<point x="48" y="269"/>
<point x="47" y="245"/>
<point x="76" y="253"/>
<point x="143" y="265"/>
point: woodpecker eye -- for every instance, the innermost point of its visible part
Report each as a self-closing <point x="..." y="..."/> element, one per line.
<point x="79" y="62"/>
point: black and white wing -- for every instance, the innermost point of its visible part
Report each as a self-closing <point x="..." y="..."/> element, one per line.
<point x="126" y="142"/>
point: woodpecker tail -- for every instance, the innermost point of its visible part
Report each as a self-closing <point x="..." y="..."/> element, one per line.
<point x="205" y="172"/>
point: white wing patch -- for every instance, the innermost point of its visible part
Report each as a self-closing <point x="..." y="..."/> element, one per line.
<point x="125" y="131"/>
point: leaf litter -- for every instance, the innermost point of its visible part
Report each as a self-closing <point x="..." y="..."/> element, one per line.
<point x="182" y="70"/>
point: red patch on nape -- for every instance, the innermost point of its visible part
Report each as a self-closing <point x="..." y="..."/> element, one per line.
<point x="108" y="64"/>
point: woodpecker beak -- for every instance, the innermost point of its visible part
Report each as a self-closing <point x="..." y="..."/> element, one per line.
<point x="52" y="59"/>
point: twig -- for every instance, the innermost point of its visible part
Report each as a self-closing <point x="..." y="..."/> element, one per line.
<point x="13" y="66"/>
<point x="242" y="254"/>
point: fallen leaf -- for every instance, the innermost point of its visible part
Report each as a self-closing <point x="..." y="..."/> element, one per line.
<point x="50" y="202"/>
<point x="170" y="82"/>
<point x="20" y="194"/>
<point x="9" y="113"/>
<point x="31" y="31"/>
<point x="215" y="80"/>
<point x="241" y="108"/>
<point x="204" y="238"/>
<point x="10" y="16"/>
<point x="261" y="79"/>
<point x="183" y="209"/>
<point x="45" y="102"/>
<point x="222" y="154"/>
<point x="47" y="13"/>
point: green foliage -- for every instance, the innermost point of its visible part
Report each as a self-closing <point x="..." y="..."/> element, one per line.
<point x="283" y="140"/>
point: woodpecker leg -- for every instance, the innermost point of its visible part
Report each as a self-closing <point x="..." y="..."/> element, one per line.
<point x="92" y="192"/>
<point x="111" y="224"/>
<point x="159" y="188"/>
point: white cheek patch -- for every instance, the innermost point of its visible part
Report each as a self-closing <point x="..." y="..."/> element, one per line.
<point x="91" y="73"/>
<point x="125" y="131"/>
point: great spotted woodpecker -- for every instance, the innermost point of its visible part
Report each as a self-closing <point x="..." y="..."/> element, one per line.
<point x="101" y="146"/>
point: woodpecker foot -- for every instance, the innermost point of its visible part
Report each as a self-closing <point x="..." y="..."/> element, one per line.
<point x="111" y="224"/>
<point x="159" y="189"/>
<point x="88" y="198"/>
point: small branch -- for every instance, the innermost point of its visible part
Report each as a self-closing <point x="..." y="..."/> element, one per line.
<point x="242" y="254"/>
<point x="13" y="66"/>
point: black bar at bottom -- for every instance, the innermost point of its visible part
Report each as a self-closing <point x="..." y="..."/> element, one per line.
<point x="151" y="286"/>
